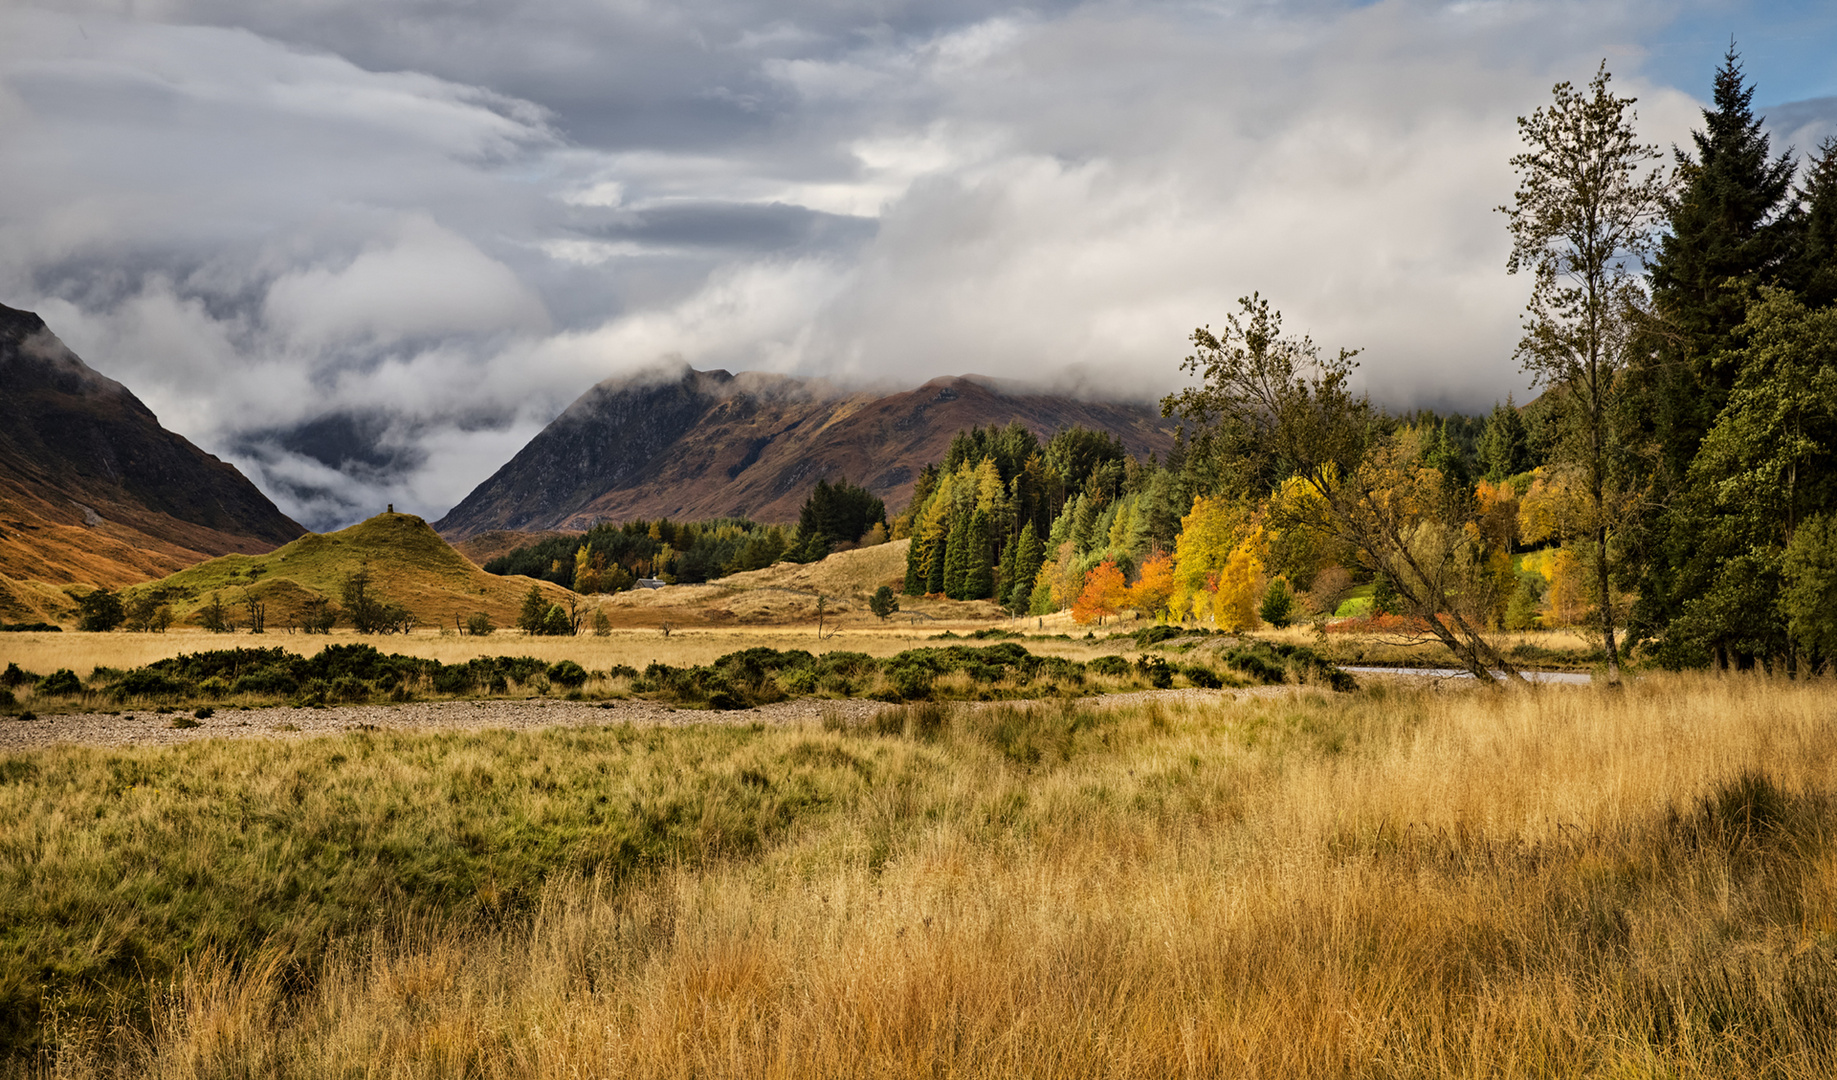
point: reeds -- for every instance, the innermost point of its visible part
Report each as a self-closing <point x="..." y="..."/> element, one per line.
<point x="1563" y="881"/>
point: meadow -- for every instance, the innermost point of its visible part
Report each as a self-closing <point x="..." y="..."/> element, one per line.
<point x="1567" y="881"/>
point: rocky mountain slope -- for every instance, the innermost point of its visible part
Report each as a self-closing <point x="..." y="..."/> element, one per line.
<point x="93" y="489"/>
<point x="702" y="444"/>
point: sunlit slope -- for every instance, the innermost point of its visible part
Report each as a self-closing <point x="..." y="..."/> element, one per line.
<point x="408" y="564"/>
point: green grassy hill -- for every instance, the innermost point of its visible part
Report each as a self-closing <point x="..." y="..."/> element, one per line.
<point x="409" y="564"/>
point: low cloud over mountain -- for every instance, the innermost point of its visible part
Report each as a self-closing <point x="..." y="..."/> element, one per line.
<point x="368" y="250"/>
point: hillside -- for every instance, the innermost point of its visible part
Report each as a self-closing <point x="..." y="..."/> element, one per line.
<point x="93" y="489"/>
<point x="409" y="564"/>
<point x="788" y="592"/>
<point x="709" y="444"/>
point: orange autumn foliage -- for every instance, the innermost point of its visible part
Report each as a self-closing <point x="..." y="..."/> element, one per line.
<point x="1104" y="593"/>
<point x="1155" y="589"/>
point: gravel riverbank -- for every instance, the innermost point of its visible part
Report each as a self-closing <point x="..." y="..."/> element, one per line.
<point x="144" y="727"/>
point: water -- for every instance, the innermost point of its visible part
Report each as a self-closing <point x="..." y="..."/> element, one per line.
<point x="1563" y="677"/>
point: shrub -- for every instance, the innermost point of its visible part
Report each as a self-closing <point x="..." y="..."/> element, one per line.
<point x="1203" y="677"/>
<point x="479" y="625"/>
<point x="149" y="682"/>
<point x="183" y="722"/>
<point x="60" y="683"/>
<point x="1156" y="670"/>
<point x="567" y="673"/>
<point x="910" y="683"/>
<point x="349" y="688"/>
<point x="16" y="676"/>
<point x="1113" y="666"/>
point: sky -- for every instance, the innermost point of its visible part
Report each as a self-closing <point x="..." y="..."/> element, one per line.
<point x="366" y="249"/>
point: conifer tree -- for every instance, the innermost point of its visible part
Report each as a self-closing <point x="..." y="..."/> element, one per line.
<point x="915" y="568"/>
<point x="1027" y="560"/>
<point x="978" y="569"/>
<point x="1083" y="524"/>
<point x="957" y="557"/>
<point x="1505" y="448"/>
<point x="940" y="557"/>
<point x="1729" y="232"/>
<point x="1812" y="271"/>
<point x="1004" y="571"/>
<point x="1725" y="227"/>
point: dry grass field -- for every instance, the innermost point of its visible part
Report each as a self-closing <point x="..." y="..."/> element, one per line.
<point x="83" y="653"/>
<point x="1551" y="882"/>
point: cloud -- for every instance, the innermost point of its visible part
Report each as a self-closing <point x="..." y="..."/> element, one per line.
<point x="366" y="249"/>
<point x="425" y="281"/>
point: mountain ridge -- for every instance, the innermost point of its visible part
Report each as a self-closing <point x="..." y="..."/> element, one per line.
<point x="93" y="490"/>
<point x="711" y="444"/>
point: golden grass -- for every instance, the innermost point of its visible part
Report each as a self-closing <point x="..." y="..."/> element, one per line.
<point x="83" y="653"/>
<point x="1551" y="882"/>
<point x="1567" y="649"/>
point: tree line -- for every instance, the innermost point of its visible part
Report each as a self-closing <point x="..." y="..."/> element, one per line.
<point x="1672" y="486"/>
<point x="611" y="557"/>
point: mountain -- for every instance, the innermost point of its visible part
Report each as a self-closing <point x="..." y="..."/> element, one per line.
<point x="93" y="489"/>
<point x="702" y="444"/>
<point x="409" y="564"/>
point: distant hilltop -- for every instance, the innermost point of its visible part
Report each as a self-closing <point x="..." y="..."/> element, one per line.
<point x="709" y="444"/>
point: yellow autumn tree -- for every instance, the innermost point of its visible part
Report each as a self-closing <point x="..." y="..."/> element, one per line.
<point x="1059" y="580"/>
<point x="1240" y="588"/>
<point x="1208" y="533"/>
<point x="1555" y="508"/>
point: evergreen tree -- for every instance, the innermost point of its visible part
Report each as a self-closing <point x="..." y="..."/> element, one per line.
<point x="1812" y="270"/>
<point x="1029" y="556"/>
<point x="1061" y="528"/>
<point x="1163" y="505"/>
<point x="915" y="566"/>
<point x="978" y="570"/>
<point x="957" y="557"/>
<point x="1725" y="230"/>
<point x="1278" y="607"/>
<point x="1727" y="235"/>
<point x="1505" y="447"/>
<point x="1004" y="573"/>
<point x="1768" y="464"/>
<point x="1083" y="524"/>
<point x="1444" y="456"/>
<point x="940" y="558"/>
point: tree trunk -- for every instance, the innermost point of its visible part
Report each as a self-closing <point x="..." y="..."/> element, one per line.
<point x="1607" y="605"/>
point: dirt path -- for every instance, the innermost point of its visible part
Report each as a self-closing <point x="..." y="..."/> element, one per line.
<point x="143" y="727"/>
